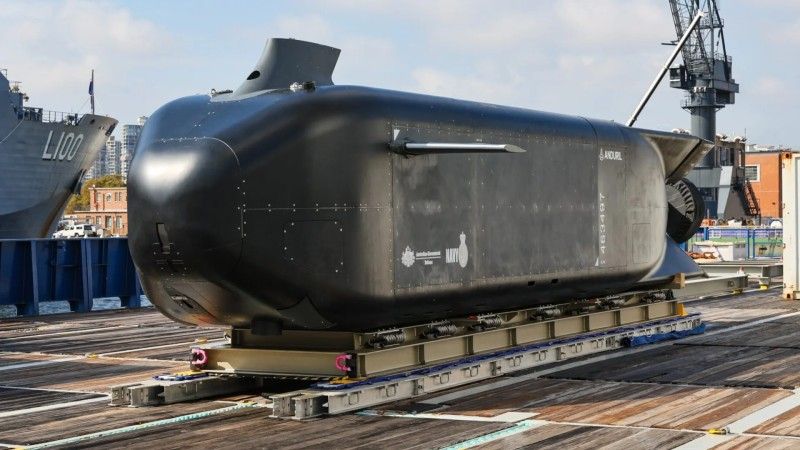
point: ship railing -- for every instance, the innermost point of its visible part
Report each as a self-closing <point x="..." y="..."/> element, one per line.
<point x="43" y="115"/>
<point x="760" y="242"/>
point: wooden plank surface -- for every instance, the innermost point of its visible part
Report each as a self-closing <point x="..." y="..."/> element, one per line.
<point x="18" y="399"/>
<point x="252" y="428"/>
<point x="589" y="438"/>
<point x="143" y="333"/>
<point x="89" y="375"/>
<point x="651" y="399"/>
<point x="17" y="326"/>
<point x="11" y="359"/>
<point x="751" y="366"/>
<point x="758" y="443"/>
<point x="721" y="316"/>
<point x="114" y="340"/>
<point x="106" y="339"/>
<point x="88" y="418"/>
<point x="627" y="404"/>
<point x="786" y="424"/>
<point x="781" y="333"/>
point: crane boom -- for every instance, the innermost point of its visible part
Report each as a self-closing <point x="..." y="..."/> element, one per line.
<point x="664" y="69"/>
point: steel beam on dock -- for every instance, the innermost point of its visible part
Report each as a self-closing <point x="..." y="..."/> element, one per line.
<point x="764" y="271"/>
<point x="701" y="287"/>
<point x="160" y="392"/>
<point x="332" y="399"/>
<point x="313" y="356"/>
<point x="521" y="340"/>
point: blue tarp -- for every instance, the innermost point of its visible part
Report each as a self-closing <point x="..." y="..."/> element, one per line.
<point x="654" y="338"/>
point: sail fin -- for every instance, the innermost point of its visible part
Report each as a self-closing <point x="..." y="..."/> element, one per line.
<point x="287" y="61"/>
<point x="680" y="152"/>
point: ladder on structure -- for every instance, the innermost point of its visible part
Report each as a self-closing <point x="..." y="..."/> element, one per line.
<point x="750" y="199"/>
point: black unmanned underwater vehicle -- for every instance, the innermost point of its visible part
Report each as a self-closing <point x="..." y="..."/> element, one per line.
<point x="295" y="203"/>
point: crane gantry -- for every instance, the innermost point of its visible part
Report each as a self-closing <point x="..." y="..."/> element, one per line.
<point x="705" y="73"/>
<point x="706" y="76"/>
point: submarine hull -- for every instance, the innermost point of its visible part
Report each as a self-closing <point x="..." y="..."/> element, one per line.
<point x="294" y="207"/>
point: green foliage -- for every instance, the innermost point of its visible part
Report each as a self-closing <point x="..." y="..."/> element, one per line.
<point x="80" y="202"/>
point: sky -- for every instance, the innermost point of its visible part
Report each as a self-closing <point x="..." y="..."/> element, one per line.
<point x="593" y="58"/>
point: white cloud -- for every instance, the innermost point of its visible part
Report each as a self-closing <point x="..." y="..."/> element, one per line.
<point x="52" y="47"/>
<point x="486" y="87"/>
<point x="774" y="89"/>
<point x="307" y="27"/>
<point x="775" y="4"/>
<point x="473" y="25"/>
<point x="493" y="30"/>
<point x="588" y="57"/>
<point x="609" y="25"/>
<point x="788" y="33"/>
<point x="518" y="52"/>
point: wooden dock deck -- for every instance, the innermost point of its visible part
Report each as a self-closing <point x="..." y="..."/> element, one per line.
<point x="742" y="374"/>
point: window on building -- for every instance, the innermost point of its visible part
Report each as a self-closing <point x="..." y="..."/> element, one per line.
<point x="726" y="156"/>
<point x="97" y="221"/>
<point x="98" y="196"/>
<point x="752" y="173"/>
<point x="108" y="197"/>
<point x="119" y="222"/>
<point x="108" y="221"/>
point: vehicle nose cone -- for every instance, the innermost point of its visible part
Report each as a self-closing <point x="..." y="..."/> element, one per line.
<point x="184" y="199"/>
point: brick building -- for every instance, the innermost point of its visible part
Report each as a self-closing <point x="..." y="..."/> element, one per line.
<point x="108" y="209"/>
<point x="763" y="170"/>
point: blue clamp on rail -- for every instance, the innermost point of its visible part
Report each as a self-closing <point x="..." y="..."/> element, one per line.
<point x="181" y="376"/>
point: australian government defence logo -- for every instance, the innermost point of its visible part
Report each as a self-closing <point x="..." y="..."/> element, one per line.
<point x="455" y="255"/>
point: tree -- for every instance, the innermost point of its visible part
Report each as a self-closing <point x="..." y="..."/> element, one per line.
<point x="80" y="202"/>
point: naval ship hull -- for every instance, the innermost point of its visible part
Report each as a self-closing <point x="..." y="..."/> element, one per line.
<point x="41" y="164"/>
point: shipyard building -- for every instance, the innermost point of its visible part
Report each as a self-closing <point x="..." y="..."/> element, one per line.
<point x="108" y="210"/>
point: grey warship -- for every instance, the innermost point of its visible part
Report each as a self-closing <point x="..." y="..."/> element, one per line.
<point x="43" y="156"/>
